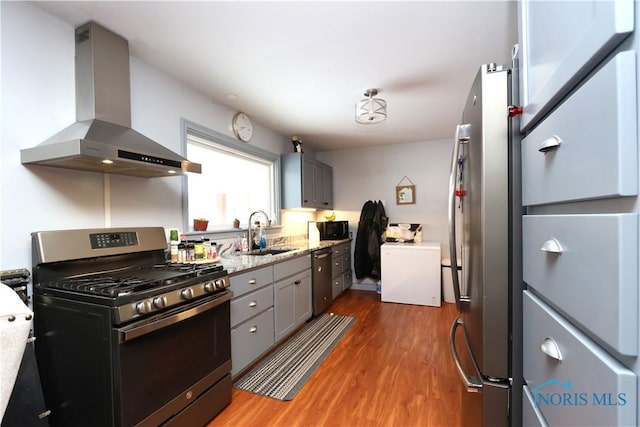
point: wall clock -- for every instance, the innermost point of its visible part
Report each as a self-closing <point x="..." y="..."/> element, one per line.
<point x="242" y="127"/>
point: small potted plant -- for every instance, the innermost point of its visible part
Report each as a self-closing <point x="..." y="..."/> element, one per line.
<point x="236" y="223"/>
<point x="200" y="224"/>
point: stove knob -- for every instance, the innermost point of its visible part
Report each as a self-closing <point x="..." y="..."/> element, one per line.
<point x="221" y="284"/>
<point x="160" y="302"/>
<point x="143" y="307"/>
<point x="209" y="287"/>
<point x="187" y="293"/>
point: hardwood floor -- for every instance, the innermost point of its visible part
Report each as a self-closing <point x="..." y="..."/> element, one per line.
<point x="393" y="368"/>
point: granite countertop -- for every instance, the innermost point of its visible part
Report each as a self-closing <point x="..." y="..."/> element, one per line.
<point x="241" y="262"/>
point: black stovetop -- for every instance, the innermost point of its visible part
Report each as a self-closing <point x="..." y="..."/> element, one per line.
<point x="133" y="281"/>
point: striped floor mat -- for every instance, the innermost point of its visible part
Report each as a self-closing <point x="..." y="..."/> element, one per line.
<point x="283" y="374"/>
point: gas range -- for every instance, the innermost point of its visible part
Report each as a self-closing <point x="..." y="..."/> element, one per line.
<point x="152" y="339"/>
<point x="124" y="269"/>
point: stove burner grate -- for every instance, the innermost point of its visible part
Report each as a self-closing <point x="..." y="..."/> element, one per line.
<point x="105" y="285"/>
<point x="113" y="286"/>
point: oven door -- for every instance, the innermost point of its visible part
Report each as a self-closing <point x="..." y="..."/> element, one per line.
<point x="168" y="361"/>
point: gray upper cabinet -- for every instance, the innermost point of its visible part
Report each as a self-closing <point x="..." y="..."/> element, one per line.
<point x="327" y="186"/>
<point x="576" y="36"/>
<point x="306" y="182"/>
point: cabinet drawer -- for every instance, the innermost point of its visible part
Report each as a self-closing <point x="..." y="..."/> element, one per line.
<point x="563" y="41"/>
<point x="251" y="339"/>
<point x="596" y="128"/>
<point x="291" y="267"/>
<point x="594" y="278"/>
<point x="346" y="262"/>
<point x="336" y="250"/>
<point x="347" y="279"/>
<point x="587" y="386"/>
<point x="251" y="304"/>
<point x="250" y="281"/>
<point x="336" y="266"/>
<point x="531" y="415"/>
<point x="337" y="286"/>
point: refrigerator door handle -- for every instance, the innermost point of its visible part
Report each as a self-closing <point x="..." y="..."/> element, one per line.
<point x="461" y="136"/>
<point x="473" y="384"/>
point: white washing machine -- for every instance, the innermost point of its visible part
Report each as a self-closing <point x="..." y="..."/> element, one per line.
<point x="411" y="273"/>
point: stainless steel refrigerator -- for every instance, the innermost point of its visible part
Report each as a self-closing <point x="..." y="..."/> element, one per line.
<point x="484" y="188"/>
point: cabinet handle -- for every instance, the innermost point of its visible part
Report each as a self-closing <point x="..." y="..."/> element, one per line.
<point x="549" y="347"/>
<point x="552" y="246"/>
<point x="550" y="144"/>
<point x="253" y="304"/>
<point x="252" y="281"/>
<point x="253" y="329"/>
<point x="297" y="282"/>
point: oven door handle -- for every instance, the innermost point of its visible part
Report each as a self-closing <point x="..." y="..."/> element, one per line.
<point x="127" y="334"/>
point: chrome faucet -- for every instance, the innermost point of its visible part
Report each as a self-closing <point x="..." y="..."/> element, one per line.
<point x="250" y="227"/>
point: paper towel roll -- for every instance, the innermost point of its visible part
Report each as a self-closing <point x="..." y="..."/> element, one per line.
<point x="314" y="234"/>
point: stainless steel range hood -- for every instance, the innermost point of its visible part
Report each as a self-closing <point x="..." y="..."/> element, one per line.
<point x="102" y="139"/>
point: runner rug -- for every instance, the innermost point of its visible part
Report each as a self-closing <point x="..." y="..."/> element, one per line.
<point x="282" y="374"/>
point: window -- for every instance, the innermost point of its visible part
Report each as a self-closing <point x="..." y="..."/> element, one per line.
<point x="236" y="179"/>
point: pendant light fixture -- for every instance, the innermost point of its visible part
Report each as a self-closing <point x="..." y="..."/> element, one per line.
<point x="371" y="110"/>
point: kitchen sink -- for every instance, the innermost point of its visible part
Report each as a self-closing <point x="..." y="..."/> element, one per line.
<point x="270" y="251"/>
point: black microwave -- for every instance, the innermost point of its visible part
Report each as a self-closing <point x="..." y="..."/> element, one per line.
<point x="333" y="230"/>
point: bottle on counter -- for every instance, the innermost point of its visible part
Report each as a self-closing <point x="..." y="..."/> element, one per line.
<point x="213" y="251"/>
<point x="262" y="243"/>
<point x="173" y="250"/>
<point x="182" y="252"/>
<point x="198" y="250"/>
<point x="191" y="256"/>
<point x="207" y="247"/>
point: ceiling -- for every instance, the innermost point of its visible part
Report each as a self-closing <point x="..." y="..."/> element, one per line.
<point x="300" y="67"/>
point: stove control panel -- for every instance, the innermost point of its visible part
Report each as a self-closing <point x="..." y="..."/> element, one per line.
<point x="113" y="240"/>
<point x="173" y="298"/>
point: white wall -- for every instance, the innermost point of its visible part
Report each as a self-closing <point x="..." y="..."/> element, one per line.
<point x="38" y="100"/>
<point x="372" y="173"/>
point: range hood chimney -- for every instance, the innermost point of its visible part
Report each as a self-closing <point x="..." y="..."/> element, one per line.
<point x="102" y="140"/>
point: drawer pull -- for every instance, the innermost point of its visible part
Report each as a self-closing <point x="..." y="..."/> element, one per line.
<point x="252" y="281"/>
<point x="550" y="144"/>
<point x="253" y="304"/>
<point x="297" y="282"/>
<point x="552" y="246"/>
<point x="550" y="348"/>
<point x="253" y="329"/>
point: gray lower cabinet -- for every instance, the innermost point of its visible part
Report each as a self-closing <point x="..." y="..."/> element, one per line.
<point x="581" y="223"/>
<point x="572" y="379"/>
<point x="340" y="268"/>
<point x="251" y="339"/>
<point x="531" y="415"/>
<point x="252" y="313"/>
<point x="292" y="295"/>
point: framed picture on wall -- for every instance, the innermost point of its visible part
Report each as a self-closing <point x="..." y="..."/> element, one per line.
<point x="405" y="194"/>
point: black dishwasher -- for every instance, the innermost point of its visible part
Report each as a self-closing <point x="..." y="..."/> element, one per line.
<point x="321" y="263"/>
